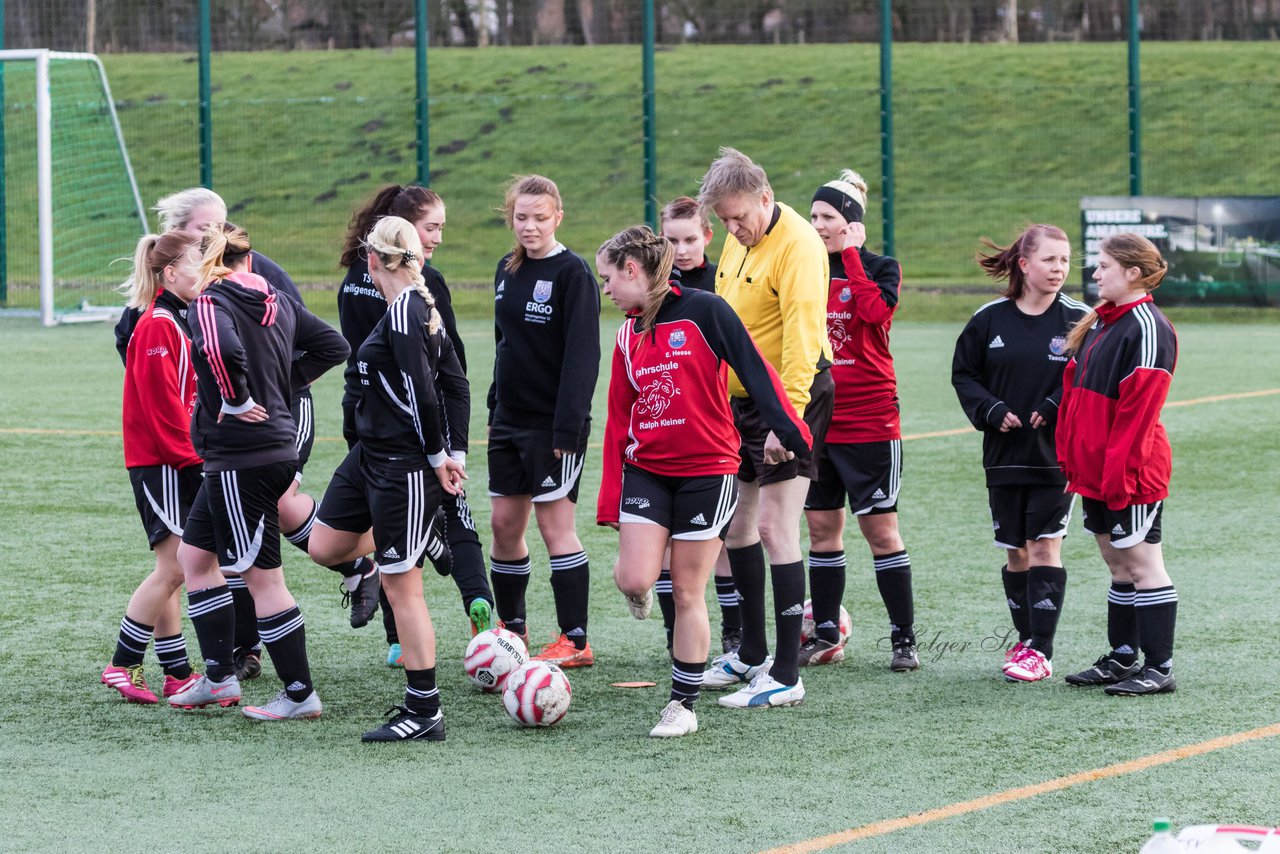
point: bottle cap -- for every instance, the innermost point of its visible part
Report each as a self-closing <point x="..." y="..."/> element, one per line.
<point x="1161" y="825"/>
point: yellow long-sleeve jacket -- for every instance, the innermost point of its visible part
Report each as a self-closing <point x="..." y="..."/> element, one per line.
<point x="779" y="290"/>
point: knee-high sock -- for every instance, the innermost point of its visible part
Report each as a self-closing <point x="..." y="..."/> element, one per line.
<point x="747" y="565"/>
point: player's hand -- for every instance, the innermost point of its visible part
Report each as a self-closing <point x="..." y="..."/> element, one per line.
<point x="855" y="235"/>
<point x="451" y="474"/>
<point x="1010" y="422"/>
<point x="562" y="452"/>
<point x="774" y="452"/>
<point x="614" y="525"/>
<point x="251" y="416"/>
<point x="1037" y="421"/>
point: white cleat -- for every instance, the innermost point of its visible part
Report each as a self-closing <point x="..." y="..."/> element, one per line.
<point x="204" y="692"/>
<point x="763" y="692"/>
<point x="727" y="670"/>
<point x="281" y="708"/>
<point x="676" y="721"/>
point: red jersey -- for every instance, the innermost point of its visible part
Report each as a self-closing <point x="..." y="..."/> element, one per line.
<point x="669" y="397"/>
<point x="1111" y="444"/>
<point x="159" y="388"/>
<point x="860" y="304"/>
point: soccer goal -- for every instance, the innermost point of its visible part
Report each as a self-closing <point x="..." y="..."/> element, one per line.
<point x="69" y="203"/>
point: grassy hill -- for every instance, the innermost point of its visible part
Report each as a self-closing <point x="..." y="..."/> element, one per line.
<point x="988" y="136"/>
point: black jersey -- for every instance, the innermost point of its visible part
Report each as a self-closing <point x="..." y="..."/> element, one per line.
<point x="547" y="324"/>
<point x="1008" y="361"/>
<point x="399" y="365"/>
<point x="702" y="277"/>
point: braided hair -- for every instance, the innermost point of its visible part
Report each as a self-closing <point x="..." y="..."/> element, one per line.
<point x="654" y="256"/>
<point x="396" y="243"/>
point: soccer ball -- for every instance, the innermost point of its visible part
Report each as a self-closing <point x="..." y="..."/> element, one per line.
<point x="537" y="694"/>
<point x="492" y="656"/>
<point x="807" y="627"/>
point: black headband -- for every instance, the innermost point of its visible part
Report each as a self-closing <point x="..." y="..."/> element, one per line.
<point x="843" y="202"/>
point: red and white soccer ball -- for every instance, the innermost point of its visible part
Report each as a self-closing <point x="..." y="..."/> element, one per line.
<point x="807" y="627"/>
<point x="537" y="694"/>
<point x="492" y="656"/>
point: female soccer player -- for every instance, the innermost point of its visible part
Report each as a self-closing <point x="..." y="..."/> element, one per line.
<point x="671" y="448"/>
<point x="1115" y="454"/>
<point x="547" y="326"/>
<point x="861" y="462"/>
<point x="159" y="390"/>
<point x="360" y="307"/>
<point x="245" y="338"/>
<point x="1007" y="372"/>
<point x="392" y="479"/>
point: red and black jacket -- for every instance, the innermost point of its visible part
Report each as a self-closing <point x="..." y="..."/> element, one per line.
<point x="1111" y="444"/>
<point x="159" y="388"/>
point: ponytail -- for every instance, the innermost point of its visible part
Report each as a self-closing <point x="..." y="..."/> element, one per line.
<point x="222" y="250"/>
<point x="396" y="243"/>
<point x="654" y="256"/>
<point x="1128" y="250"/>
<point x="153" y="254"/>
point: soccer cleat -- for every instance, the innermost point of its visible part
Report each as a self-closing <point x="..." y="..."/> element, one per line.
<point x="205" y="692"/>
<point x="562" y="652"/>
<point x="523" y="634"/>
<point x="819" y="651"/>
<point x="1031" y="666"/>
<point x="248" y="665"/>
<point x="281" y="708"/>
<point x="730" y="639"/>
<point x="1149" y="681"/>
<point x="905" y="657"/>
<point x="481" y="615"/>
<point x="438" y="547"/>
<point x="640" y="606"/>
<point x="173" y="685"/>
<point x="676" y="720"/>
<point x="1012" y="655"/>
<point x="1105" y="671"/>
<point x="130" y="682"/>
<point x="727" y="671"/>
<point x="408" y="726"/>
<point x="364" y="599"/>
<point x="395" y="656"/>
<point x="763" y="692"/>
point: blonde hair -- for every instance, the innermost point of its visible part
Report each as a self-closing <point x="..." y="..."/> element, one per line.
<point x="654" y="256"/>
<point x="153" y="254"/>
<point x="1128" y="250"/>
<point x="852" y="185"/>
<point x="526" y="185"/>
<point x="396" y="243"/>
<point x="732" y="174"/>
<point x="222" y="250"/>
<point x="175" y="210"/>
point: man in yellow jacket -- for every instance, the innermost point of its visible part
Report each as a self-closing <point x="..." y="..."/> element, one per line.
<point x="773" y="271"/>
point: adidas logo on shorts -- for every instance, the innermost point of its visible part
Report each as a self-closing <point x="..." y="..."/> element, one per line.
<point x="794" y="611"/>
<point x="879" y="493"/>
<point x="391" y="554"/>
<point x="1045" y="605"/>
<point x="1118" y="531"/>
<point x="698" y="520"/>
<point x="995" y="342"/>
<point x="549" y="481"/>
<point x="231" y="554"/>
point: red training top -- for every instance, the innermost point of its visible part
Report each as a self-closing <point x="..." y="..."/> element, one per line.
<point x="159" y="388"/>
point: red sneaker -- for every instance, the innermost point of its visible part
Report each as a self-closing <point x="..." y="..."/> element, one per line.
<point x="130" y="682"/>
<point x="562" y="652"/>
<point x="1012" y="656"/>
<point x="1031" y="667"/>
<point x="173" y="685"/>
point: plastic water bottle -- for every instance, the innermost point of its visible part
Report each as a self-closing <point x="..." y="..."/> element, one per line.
<point x="1162" y="840"/>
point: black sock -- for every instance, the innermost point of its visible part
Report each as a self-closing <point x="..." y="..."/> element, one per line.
<point x="747" y="565"/>
<point x="467" y="566"/>
<point x="686" y="681"/>
<point x="286" y="638"/>
<point x="388" y="617"/>
<point x="730" y="612"/>
<point x="1046" y="588"/>
<point x="570" y="585"/>
<point x="510" y="580"/>
<point x="301" y="538"/>
<point x="788" y="614"/>
<point x="1122" y="624"/>
<point x="667" y="603"/>
<point x="893" y="577"/>
<point x="1015" y="594"/>
<point x="131" y="643"/>
<point x="1156" y="612"/>
<point x="246" y="619"/>
<point x="826" y="590"/>
<point x="214" y="619"/>
<point x="172" y="652"/>
<point x="420" y="693"/>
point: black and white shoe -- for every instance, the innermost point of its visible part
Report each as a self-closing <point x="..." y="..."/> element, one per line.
<point x="408" y="726"/>
<point x="1150" y="681"/>
<point x="438" y="546"/>
<point x="1105" y="671"/>
<point x="364" y="599"/>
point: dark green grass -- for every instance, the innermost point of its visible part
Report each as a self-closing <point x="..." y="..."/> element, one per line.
<point x="86" y="771"/>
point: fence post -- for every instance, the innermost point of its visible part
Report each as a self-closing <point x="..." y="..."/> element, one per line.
<point x="1135" y="107"/>
<point x="422" y="120"/>
<point x="206" y="100"/>
<point x="650" y="138"/>
<point x="886" y="123"/>
<point x="4" y="199"/>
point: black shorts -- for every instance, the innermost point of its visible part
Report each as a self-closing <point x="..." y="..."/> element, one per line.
<point x="753" y="431"/>
<point x="691" y="508"/>
<point x="1137" y="523"/>
<point x="303" y="409"/>
<point x="522" y="461"/>
<point x="867" y="474"/>
<point x="164" y="496"/>
<point x="1023" y="513"/>
<point x="234" y="516"/>
<point x="398" y="502"/>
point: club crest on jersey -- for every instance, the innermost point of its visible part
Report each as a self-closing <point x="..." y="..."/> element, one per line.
<point x="1058" y="345"/>
<point x="542" y="291"/>
<point x="845" y="294"/>
<point x="677" y="339"/>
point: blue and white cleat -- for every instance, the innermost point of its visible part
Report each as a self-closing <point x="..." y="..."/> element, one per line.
<point x="727" y="671"/>
<point x="763" y="692"/>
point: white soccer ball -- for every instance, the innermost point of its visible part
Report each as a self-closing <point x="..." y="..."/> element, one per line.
<point x="537" y="694"/>
<point x="492" y="656"/>
<point x="807" y="625"/>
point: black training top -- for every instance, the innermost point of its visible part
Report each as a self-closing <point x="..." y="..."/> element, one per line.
<point x="702" y="277"/>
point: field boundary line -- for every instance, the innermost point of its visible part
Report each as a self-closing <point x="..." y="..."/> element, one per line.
<point x="1142" y="763"/>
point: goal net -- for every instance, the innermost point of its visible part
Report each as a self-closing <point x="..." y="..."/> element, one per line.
<point x="69" y="204"/>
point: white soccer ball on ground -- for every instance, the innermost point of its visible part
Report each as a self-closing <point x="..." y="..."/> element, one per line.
<point x="807" y="624"/>
<point x="492" y="656"/>
<point x="537" y="694"/>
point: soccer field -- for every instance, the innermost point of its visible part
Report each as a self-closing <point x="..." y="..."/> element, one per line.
<point x="85" y="771"/>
